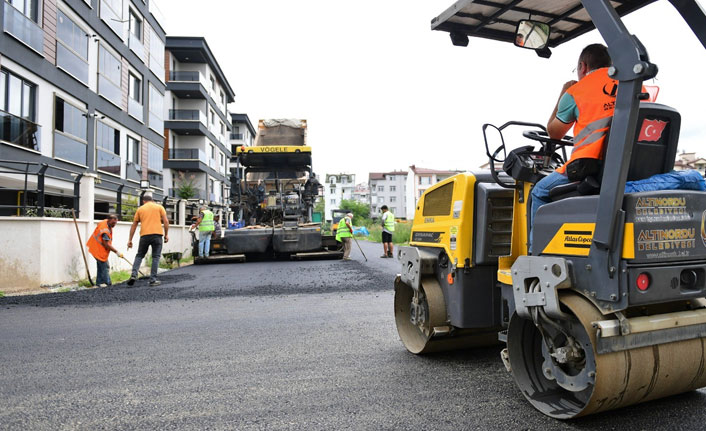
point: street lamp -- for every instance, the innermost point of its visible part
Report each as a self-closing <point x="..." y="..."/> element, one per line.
<point x="145" y="184"/>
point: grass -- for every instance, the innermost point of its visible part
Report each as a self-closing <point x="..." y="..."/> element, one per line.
<point x="119" y="276"/>
<point x="65" y="289"/>
<point x="81" y="283"/>
<point x="400" y="236"/>
<point x="2" y="294"/>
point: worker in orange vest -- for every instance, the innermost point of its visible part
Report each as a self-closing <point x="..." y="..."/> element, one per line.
<point x="587" y="105"/>
<point x="100" y="244"/>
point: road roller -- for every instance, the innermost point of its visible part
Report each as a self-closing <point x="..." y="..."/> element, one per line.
<point x="608" y="307"/>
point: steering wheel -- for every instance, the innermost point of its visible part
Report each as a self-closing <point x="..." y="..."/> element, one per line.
<point x="543" y="137"/>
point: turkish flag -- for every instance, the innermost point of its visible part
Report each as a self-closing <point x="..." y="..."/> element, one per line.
<point x="651" y="130"/>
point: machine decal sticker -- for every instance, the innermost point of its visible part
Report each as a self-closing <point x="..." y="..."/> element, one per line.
<point x="575" y="239"/>
<point x="651" y="130"/>
<point x="428" y="219"/>
<point x="434" y="237"/>
<point x="667" y="242"/>
<point x="658" y="209"/>
<point x="458" y="206"/>
<point x="454" y="232"/>
<point x="578" y="238"/>
<point x="703" y="228"/>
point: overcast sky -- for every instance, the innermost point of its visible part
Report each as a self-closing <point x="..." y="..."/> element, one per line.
<point x="381" y="91"/>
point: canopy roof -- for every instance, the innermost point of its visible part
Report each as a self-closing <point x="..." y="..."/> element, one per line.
<point x="497" y="19"/>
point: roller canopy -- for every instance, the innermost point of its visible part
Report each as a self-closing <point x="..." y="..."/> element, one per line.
<point x="497" y="19"/>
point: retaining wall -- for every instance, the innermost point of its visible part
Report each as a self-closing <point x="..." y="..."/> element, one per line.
<point x="45" y="251"/>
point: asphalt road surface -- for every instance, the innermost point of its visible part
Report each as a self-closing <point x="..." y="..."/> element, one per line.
<point x="282" y="345"/>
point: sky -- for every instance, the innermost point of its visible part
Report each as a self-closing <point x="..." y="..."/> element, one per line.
<point x="381" y="91"/>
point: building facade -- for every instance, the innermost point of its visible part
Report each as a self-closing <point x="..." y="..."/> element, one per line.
<point x="361" y="193"/>
<point x="337" y="187"/>
<point x="388" y="188"/>
<point x="197" y="147"/>
<point x="81" y="91"/>
<point x="419" y="180"/>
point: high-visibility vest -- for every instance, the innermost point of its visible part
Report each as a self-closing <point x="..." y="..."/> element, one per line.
<point x="595" y="98"/>
<point x="207" y="224"/>
<point x="343" y="230"/>
<point x="96" y="244"/>
<point x="388" y="221"/>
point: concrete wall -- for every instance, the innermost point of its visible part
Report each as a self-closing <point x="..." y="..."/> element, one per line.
<point x="41" y="251"/>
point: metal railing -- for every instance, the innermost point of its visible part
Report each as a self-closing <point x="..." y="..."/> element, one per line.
<point x="33" y="202"/>
<point x="19" y="131"/>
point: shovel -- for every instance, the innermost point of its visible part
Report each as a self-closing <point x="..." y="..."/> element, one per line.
<point x="359" y="248"/>
<point x="131" y="264"/>
<point x="80" y="242"/>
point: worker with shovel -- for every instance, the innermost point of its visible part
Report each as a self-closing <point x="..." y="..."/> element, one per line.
<point x="344" y="234"/>
<point x="100" y="244"/>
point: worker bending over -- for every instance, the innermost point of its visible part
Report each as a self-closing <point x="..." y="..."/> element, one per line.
<point x="344" y="234"/>
<point x="100" y="244"/>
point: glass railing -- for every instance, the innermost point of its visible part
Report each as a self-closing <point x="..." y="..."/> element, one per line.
<point x="188" y="154"/>
<point x="70" y="149"/>
<point x="187" y="115"/>
<point x="186" y="76"/>
<point x="136" y="46"/>
<point x="109" y="90"/>
<point x="188" y="194"/>
<point x="19" y="131"/>
<point x="108" y="162"/>
<point x="135" y="108"/>
<point x="156" y="123"/>
<point x="112" y="18"/>
<point x="72" y="63"/>
<point x="23" y="28"/>
<point x="236" y="136"/>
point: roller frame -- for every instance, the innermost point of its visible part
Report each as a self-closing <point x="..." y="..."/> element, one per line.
<point x="416" y="263"/>
<point x="553" y="274"/>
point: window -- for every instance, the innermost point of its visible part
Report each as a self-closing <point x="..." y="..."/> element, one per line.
<point x="393" y="210"/>
<point x="381" y="199"/>
<point x="70" y="131"/>
<point x="154" y="157"/>
<point x="333" y="201"/>
<point x="111" y="12"/>
<point x="391" y="177"/>
<point x="333" y="190"/>
<point x="223" y="160"/>
<point x="19" y="96"/>
<point x="381" y="188"/>
<point x="393" y="198"/>
<point x="109" y="75"/>
<point x="332" y="180"/>
<point x="133" y="150"/>
<point x="135" y="25"/>
<point x="213" y="152"/>
<point x="107" y="148"/>
<point x="213" y="84"/>
<point x="29" y="8"/>
<point x="425" y="180"/>
<point x="134" y="101"/>
<point x="223" y="128"/>
<point x="156" y="54"/>
<point x="156" y="121"/>
<point x="213" y="117"/>
<point x="71" y="47"/>
<point x="393" y="188"/>
<point x="223" y="99"/>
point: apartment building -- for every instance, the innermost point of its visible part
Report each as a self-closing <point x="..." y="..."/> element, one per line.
<point x="337" y="187"/>
<point x="361" y="193"/>
<point x="685" y="161"/>
<point x="81" y="91"/>
<point x="388" y="188"/>
<point x="197" y="147"/>
<point x="419" y="180"/>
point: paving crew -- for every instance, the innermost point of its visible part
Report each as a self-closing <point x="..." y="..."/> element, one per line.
<point x="100" y="244"/>
<point x="151" y="216"/>
<point x="344" y="234"/>
<point x="388" y="228"/>
<point x="206" y="226"/>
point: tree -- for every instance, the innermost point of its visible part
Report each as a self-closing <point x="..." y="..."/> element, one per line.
<point x="361" y="212"/>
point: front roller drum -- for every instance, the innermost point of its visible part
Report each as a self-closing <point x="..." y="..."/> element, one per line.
<point x="579" y="381"/>
<point x="422" y="321"/>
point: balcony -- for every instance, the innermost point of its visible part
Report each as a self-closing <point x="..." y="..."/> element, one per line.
<point x="187" y="122"/>
<point x="135" y="109"/>
<point x="19" y="131"/>
<point x="136" y="46"/>
<point x="236" y="136"/>
<point x="71" y="63"/>
<point x="22" y="28"/>
<point x="187" y="85"/>
<point x="188" y="154"/>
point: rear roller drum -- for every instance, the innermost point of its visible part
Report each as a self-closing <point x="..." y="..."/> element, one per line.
<point x="556" y="366"/>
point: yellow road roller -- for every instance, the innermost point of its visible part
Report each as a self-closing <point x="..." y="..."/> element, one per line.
<point x="608" y="308"/>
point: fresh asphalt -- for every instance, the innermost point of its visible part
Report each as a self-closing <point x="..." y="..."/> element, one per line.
<point x="307" y="345"/>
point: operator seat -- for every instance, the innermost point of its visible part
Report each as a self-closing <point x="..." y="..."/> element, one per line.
<point x="654" y="151"/>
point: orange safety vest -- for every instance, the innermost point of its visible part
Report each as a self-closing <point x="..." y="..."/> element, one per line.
<point x="95" y="242"/>
<point x="595" y="98"/>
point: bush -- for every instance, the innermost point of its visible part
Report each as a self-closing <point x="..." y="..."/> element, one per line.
<point x="401" y="234"/>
